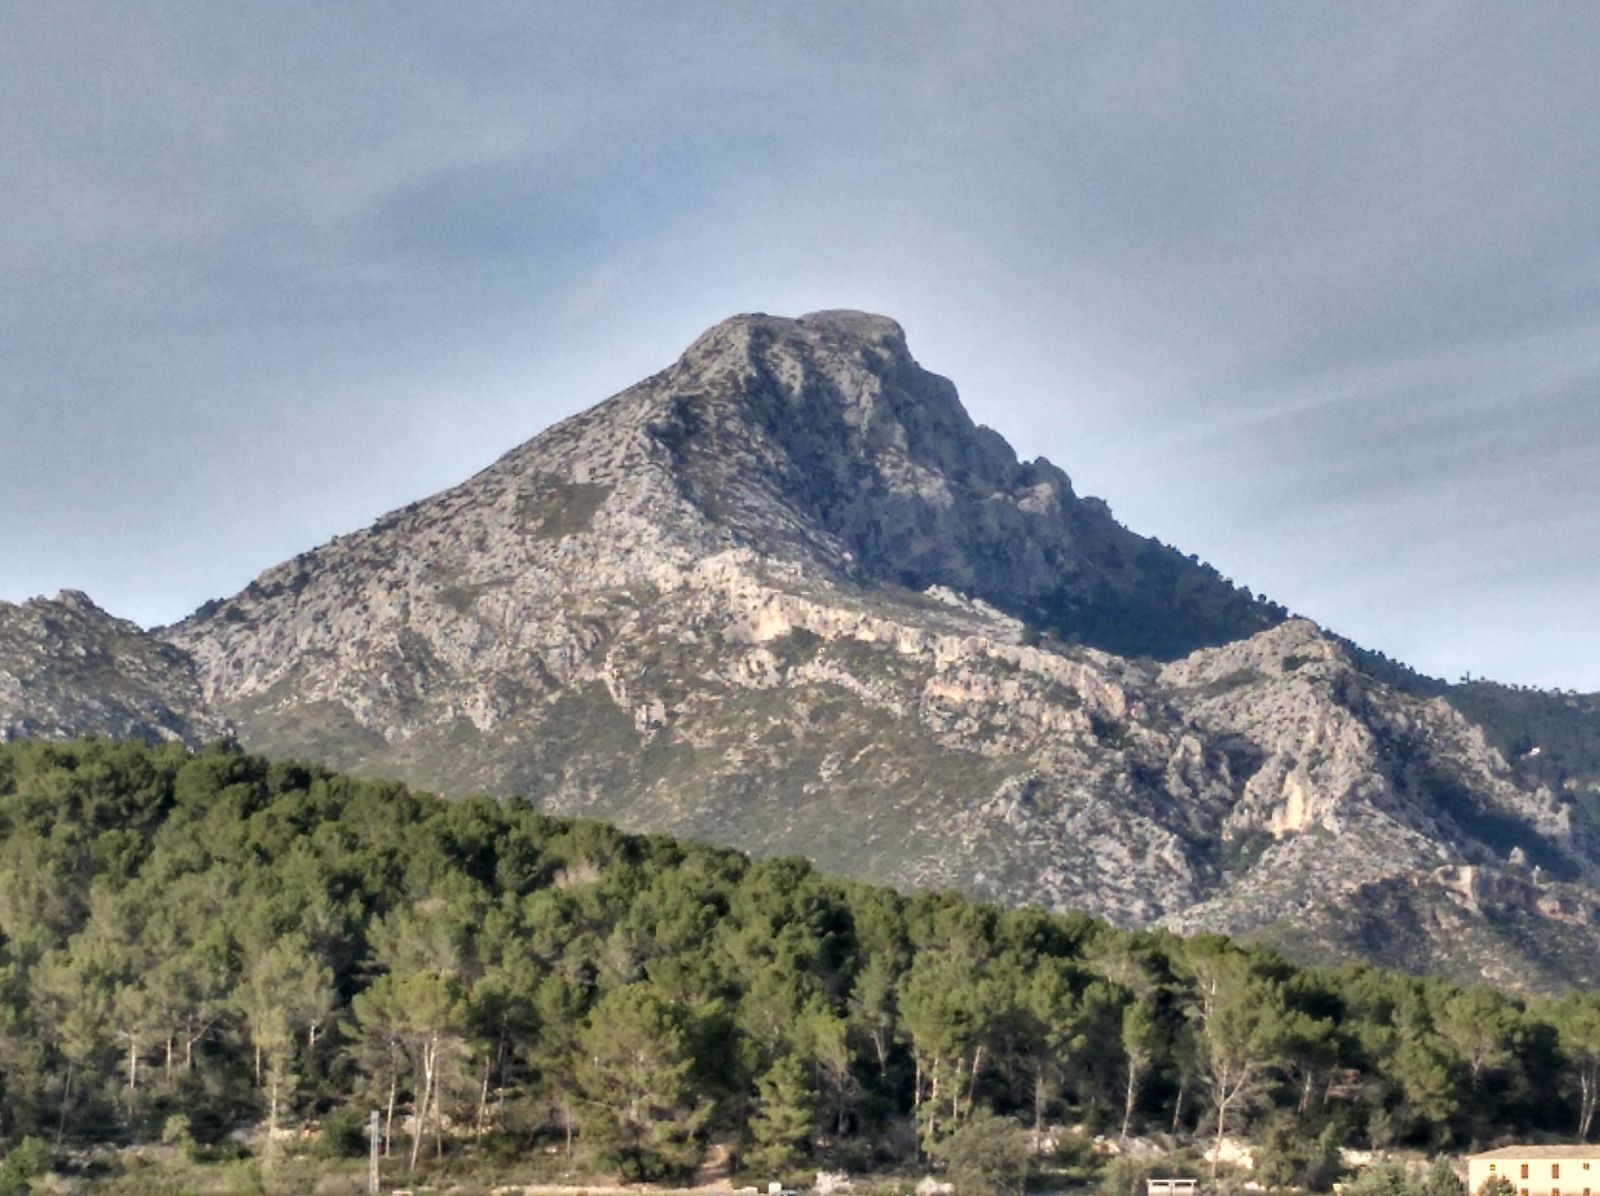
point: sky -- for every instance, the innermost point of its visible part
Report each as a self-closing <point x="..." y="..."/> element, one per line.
<point x="1310" y="290"/>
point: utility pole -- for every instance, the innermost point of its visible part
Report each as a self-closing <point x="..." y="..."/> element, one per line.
<point x="373" y="1136"/>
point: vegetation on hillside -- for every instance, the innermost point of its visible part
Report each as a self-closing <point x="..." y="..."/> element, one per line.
<point x="1549" y="736"/>
<point x="192" y="943"/>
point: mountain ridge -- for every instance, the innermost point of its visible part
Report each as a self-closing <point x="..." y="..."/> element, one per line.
<point x="67" y="668"/>
<point x="786" y="595"/>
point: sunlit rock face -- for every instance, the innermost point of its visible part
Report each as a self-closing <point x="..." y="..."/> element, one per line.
<point x="786" y="595"/>
<point x="69" y="668"/>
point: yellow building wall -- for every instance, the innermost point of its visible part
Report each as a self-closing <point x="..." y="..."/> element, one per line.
<point x="1544" y="1177"/>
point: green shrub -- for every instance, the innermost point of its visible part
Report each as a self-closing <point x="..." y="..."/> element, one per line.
<point x="1126" y="1176"/>
<point x="1289" y="1157"/>
<point x="344" y="1135"/>
<point x="175" y="1131"/>
<point x="1381" y="1179"/>
<point x="987" y="1156"/>
<point x="24" y="1162"/>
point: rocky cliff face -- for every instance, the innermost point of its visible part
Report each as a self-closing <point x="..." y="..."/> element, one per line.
<point x="786" y="595"/>
<point x="68" y="668"/>
<point x="823" y="442"/>
<point x="817" y="446"/>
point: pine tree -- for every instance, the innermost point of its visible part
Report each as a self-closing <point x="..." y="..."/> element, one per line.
<point x="785" y="1113"/>
<point x="641" y="1113"/>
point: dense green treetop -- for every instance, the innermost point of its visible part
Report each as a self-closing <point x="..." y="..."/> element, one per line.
<point x="239" y="941"/>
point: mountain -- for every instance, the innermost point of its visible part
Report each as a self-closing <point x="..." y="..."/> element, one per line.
<point x="68" y="668"/>
<point x="786" y="595"/>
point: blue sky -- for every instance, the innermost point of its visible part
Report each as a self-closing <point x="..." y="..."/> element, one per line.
<point x="1310" y="290"/>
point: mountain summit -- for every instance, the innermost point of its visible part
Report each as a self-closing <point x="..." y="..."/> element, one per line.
<point x="821" y="440"/>
<point x="809" y="455"/>
<point x="786" y="595"/>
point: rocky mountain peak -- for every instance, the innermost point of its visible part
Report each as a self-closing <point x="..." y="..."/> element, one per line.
<point x="69" y="668"/>
<point x="813" y="450"/>
<point x="863" y="325"/>
<point x="849" y="375"/>
<point x="822" y="440"/>
<point x="74" y="600"/>
<point x="860" y="327"/>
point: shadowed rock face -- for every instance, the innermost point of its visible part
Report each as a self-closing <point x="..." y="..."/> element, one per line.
<point x="874" y="470"/>
<point x="786" y="595"/>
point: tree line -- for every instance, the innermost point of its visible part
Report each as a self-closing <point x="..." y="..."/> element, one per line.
<point x="229" y="940"/>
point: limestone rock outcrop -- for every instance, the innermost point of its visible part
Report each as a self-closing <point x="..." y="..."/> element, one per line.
<point x="69" y="668"/>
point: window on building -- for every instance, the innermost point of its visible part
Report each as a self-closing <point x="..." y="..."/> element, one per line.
<point x="1524" y="1174"/>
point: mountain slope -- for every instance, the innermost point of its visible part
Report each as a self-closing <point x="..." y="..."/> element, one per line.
<point x="67" y="668"/>
<point x="786" y="595"/>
